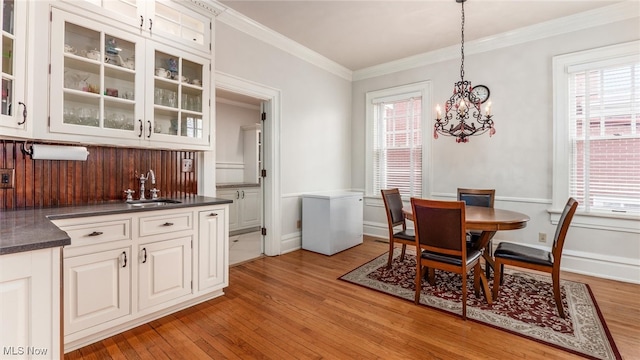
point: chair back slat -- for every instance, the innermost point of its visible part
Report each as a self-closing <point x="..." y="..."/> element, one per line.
<point x="562" y="229"/>
<point x="393" y="204"/>
<point x="440" y="225"/>
<point x="477" y="197"/>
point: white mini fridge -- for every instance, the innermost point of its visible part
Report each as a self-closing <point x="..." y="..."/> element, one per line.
<point x="331" y="221"/>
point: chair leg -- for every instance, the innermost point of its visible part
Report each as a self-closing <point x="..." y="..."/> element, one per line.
<point x="418" y="282"/>
<point x="464" y="296"/>
<point x="390" y="253"/>
<point x="487" y="266"/>
<point x="476" y="278"/>
<point x="404" y="249"/>
<point x="556" y="292"/>
<point x="502" y="271"/>
<point x="432" y="276"/>
<point x="497" y="278"/>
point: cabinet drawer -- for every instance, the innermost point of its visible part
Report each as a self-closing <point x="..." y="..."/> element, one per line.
<point x="96" y="232"/>
<point x="166" y="223"/>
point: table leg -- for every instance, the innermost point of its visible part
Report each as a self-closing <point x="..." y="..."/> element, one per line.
<point x="485" y="243"/>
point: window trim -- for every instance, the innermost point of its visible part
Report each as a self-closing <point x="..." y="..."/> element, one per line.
<point x="561" y="147"/>
<point x="424" y="88"/>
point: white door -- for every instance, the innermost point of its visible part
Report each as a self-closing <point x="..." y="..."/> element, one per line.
<point x="96" y="288"/>
<point x="164" y="271"/>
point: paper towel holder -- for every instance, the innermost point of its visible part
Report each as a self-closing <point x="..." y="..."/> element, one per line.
<point x="26" y="151"/>
<point x="74" y="153"/>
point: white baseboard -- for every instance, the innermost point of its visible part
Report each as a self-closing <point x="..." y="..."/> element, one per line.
<point x="291" y="242"/>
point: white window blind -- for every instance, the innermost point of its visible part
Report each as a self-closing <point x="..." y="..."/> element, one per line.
<point x="397" y="144"/>
<point x="604" y="131"/>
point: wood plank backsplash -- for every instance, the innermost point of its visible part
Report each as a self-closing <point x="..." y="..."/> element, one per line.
<point x="106" y="174"/>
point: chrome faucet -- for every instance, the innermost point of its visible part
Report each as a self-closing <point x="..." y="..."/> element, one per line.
<point x="150" y="176"/>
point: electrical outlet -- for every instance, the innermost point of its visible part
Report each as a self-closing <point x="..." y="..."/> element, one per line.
<point x="299" y="224"/>
<point x="6" y="178"/>
<point x="187" y="165"/>
<point x="542" y="237"/>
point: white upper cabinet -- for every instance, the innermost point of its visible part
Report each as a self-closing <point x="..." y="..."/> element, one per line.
<point x="125" y="89"/>
<point x="158" y="19"/>
<point x="13" y="109"/>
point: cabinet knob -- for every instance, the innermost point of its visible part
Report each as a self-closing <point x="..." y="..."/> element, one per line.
<point x="95" y="233"/>
<point x="141" y="21"/>
<point x="125" y="259"/>
<point x="141" y="128"/>
<point x="213" y="214"/>
<point x="149" y="121"/>
<point x="167" y="224"/>
<point x="144" y="257"/>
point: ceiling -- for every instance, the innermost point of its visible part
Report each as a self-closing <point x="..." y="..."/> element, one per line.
<point x="358" y="33"/>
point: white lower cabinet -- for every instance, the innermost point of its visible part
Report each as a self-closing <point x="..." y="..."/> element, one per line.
<point x="124" y="270"/>
<point x="96" y="288"/>
<point x="212" y="267"/>
<point x="30" y="305"/>
<point x="245" y="212"/>
<point x="164" y="272"/>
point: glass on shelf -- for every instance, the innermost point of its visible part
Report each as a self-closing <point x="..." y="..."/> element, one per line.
<point x="165" y="121"/>
<point x="191" y="126"/>
<point x="191" y="102"/>
<point x="118" y="114"/>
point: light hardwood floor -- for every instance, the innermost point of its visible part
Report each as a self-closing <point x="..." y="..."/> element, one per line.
<point x="293" y="307"/>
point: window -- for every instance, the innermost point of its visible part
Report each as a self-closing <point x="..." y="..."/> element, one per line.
<point x="597" y="129"/>
<point x="395" y="144"/>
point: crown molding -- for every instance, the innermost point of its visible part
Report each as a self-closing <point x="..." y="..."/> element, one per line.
<point x="609" y="14"/>
<point x="242" y="23"/>
<point x="588" y="19"/>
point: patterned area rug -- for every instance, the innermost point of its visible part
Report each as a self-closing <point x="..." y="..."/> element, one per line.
<point x="524" y="307"/>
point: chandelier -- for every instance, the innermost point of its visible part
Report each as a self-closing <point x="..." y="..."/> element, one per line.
<point x="462" y="112"/>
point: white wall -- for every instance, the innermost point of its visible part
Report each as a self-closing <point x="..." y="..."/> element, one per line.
<point x="517" y="161"/>
<point x="315" y="128"/>
<point x="229" y="139"/>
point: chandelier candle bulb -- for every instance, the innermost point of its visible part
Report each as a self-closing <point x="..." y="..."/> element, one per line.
<point x="438" y="112"/>
<point x="487" y="110"/>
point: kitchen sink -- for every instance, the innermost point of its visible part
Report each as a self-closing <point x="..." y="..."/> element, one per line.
<point x="152" y="202"/>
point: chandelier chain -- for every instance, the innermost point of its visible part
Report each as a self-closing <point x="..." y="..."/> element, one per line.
<point x="462" y="45"/>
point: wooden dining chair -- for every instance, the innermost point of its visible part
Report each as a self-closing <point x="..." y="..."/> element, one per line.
<point x="484" y="198"/>
<point x="442" y="244"/>
<point x="535" y="259"/>
<point x="395" y="218"/>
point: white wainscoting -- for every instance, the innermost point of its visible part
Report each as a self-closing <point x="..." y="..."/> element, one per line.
<point x="229" y="172"/>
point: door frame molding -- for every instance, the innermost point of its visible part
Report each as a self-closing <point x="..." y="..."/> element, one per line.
<point x="270" y="150"/>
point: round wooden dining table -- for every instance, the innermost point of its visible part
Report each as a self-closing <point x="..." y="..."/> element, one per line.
<point x="489" y="221"/>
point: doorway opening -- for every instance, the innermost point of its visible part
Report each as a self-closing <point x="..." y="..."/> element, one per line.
<point x="239" y="166"/>
<point x="259" y="201"/>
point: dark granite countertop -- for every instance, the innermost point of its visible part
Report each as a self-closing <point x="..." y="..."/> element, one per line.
<point x="32" y="229"/>
<point x="236" y="185"/>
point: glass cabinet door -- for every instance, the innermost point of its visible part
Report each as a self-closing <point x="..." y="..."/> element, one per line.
<point x="180" y="96"/>
<point x="12" y="63"/>
<point x="96" y="73"/>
